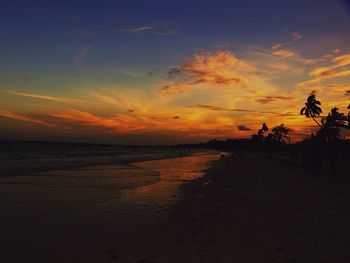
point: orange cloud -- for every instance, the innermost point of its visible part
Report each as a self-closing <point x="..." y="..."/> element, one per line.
<point x="330" y="71"/>
<point x="27" y="118"/>
<point x="218" y="68"/>
<point x="216" y="108"/>
<point x="319" y="71"/>
<point x="277" y="45"/>
<point x="118" y="123"/>
<point x="324" y="74"/>
<point x="175" y="87"/>
<point x="284" y="53"/>
<point x="339" y="67"/>
<point x="342" y="61"/>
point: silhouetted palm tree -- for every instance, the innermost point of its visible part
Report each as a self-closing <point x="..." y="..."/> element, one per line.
<point x="332" y="124"/>
<point x="265" y="128"/>
<point x="263" y="131"/>
<point x="312" y="108"/>
<point x="280" y="132"/>
<point x="335" y="119"/>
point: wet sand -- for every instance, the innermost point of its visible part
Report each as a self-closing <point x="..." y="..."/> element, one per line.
<point x="242" y="210"/>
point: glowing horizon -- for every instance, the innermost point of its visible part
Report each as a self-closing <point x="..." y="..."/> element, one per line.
<point x="170" y="82"/>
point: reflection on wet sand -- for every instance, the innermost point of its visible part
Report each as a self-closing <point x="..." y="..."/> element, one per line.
<point x="173" y="172"/>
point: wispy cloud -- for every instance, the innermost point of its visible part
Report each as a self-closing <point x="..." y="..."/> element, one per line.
<point x="284" y="53"/>
<point x="276" y="45"/>
<point x="82" y="118"/>
<point x="287" y="55"/>
<point x="296" y="36"/>
<point x="341" y="61"/>
<point x="215" y="108"/>
<point x="268" y="99"/>
<point x="137" y="29"/>
<point x="49" y="101"/>
<point x="26" y="118"/>
<point x="163" y="29"/>
<point x="338" y="67"/>
<point x="37" y="96"/>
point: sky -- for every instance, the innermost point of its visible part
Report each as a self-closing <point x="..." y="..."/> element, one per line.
<point x="161" y="72"/>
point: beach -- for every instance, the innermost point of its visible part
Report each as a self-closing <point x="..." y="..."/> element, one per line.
<point x="175" y="132"/>
<point x="79" y="214"/>
<point x="251" y="209"/>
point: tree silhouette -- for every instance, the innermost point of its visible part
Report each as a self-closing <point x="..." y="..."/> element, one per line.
<point x="280" y="132"/>
<point x="332" y="124"/>
<point x="263" y="131"/>
<point x="312" y="108"/>
<point x="335" y="119"/>
<point x="265" y="128"/>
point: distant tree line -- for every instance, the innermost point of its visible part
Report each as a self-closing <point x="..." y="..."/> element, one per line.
<point x="325" y="144"/>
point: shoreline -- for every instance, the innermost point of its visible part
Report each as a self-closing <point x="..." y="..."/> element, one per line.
<point x="26" y="167"/>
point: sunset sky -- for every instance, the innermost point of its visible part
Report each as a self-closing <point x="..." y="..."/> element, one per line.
<point x="148" y="72"/>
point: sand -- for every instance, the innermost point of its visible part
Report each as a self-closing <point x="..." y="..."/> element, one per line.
<point x="264" y="210"/>
<point x="252" y="210"/>
<point x="242" y="210"/>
